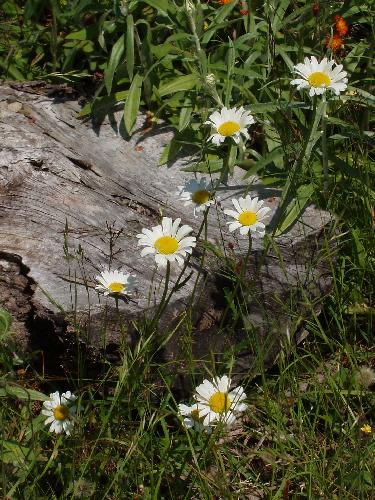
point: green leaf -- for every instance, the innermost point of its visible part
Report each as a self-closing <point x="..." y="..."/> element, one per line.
<point x="9" y="390"/>
<point x="77" y="35"/>
<point x="360" y="253"/>
<point x="170" y="152"/>
<point x="209" y="166"/>
<point x="277" y="21"/>
<point x="132" y="103"/>
<point x="295" y="208"/>
<point x="116" y="54"/>
<point x="162" y="6"/>
<point x="5" y="322"/>
<point x="359" y="95"/>
<point x="13" y="453"/>
<point x="266" y="107"/>
<point x="130" y="46"/>
<point x="253" y="166"/>
<point x="186" y="82"/>
<point x="103" y="104"/>
<point x="184" y="118"/>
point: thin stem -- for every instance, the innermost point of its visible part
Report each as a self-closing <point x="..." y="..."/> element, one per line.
<point x="163" y="301"/>
<point x="324" y="147"/>
<point x="239" y="281"/>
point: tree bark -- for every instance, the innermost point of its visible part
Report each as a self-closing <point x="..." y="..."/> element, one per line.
<point x="74" y="195"/>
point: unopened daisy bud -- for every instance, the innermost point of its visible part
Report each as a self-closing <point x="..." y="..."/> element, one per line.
<point x="190" y="7"/>
<point x="210" y="79"/>
<point x="365" y="377"/>
<point x="83" y="488"/>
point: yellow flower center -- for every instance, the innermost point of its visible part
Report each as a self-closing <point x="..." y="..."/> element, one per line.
<point x="219" y="402"/>
<point x="61" y="412"/>
<point x="200" y="197"/>
<point x="319" y="79"/>
<point x="247" y="218"/>
<point x="366" y="429"/>
<point x="228" y="128"/>
<point x="166" y="245"/>
<point x="116" y="287"/>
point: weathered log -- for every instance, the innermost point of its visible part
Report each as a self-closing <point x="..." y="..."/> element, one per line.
<point x="70" y="189"/>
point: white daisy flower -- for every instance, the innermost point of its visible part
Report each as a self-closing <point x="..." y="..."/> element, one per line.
<point x="167" y="242"/>
<point x="59" y="411"/>
<point x="115" y="282"/>
<point x="320" y="76"/>
<point x="197" y="193"/>
<point x="216" y="403"/>
<point x="192" y="419"/>
<point x="230" y="123"/>
<point x="249" y="215"/>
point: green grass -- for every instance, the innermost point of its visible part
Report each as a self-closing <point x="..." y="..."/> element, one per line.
<point x="301" y="436"/>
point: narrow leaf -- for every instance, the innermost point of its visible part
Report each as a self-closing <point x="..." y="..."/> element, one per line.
<point x="132" y="103"/>
<point x="116" y="54"/>
<point x="295" y="208"/>
<point x="21" y="393"/>
<point x="130" y="46"/>
<point x="185" y="82"/>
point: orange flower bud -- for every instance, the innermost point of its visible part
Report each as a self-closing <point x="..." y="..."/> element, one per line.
<point x="316" y="8"/>
<point x="335" y="42"/>
<point x="341" y="26"/>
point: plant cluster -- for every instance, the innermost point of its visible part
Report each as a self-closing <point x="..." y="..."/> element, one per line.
<point x="229" y="78"/>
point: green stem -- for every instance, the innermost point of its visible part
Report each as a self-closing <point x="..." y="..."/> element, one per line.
<point x="239" y="281"/>
<point x="163" y="302"/>
<point x="54" y="36"/>
<point x="324" y="147"/>
<point x="200" y="53"/>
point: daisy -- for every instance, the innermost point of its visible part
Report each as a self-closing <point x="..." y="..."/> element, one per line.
<point x="230" y="123"/>
<point x="216" y="403"/>
<point x="249" y="215"/>
<point x="167" y="242"/>
<point x="320" y="76"/>
<point x="197" y="193"/>
<point x="192" y="418"/>
<point x="115" y="282"/>
<point x="59" y="411"/>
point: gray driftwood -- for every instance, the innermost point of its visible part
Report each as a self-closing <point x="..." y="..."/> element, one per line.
<point x="68" y="188"/>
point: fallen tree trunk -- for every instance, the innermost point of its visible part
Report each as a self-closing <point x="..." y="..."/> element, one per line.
<point x="73" y="197"/>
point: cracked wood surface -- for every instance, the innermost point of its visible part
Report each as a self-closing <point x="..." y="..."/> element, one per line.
<point x="64" y="183"/>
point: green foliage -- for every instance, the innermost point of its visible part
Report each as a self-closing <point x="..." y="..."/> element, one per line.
<point x="302" y="437"/>
<point x="5" y="322"/>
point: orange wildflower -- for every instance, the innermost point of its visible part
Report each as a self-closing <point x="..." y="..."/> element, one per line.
<point x="224" y="2"/>
<point x="335" y="42"/>
<point x="341" y="26"/>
